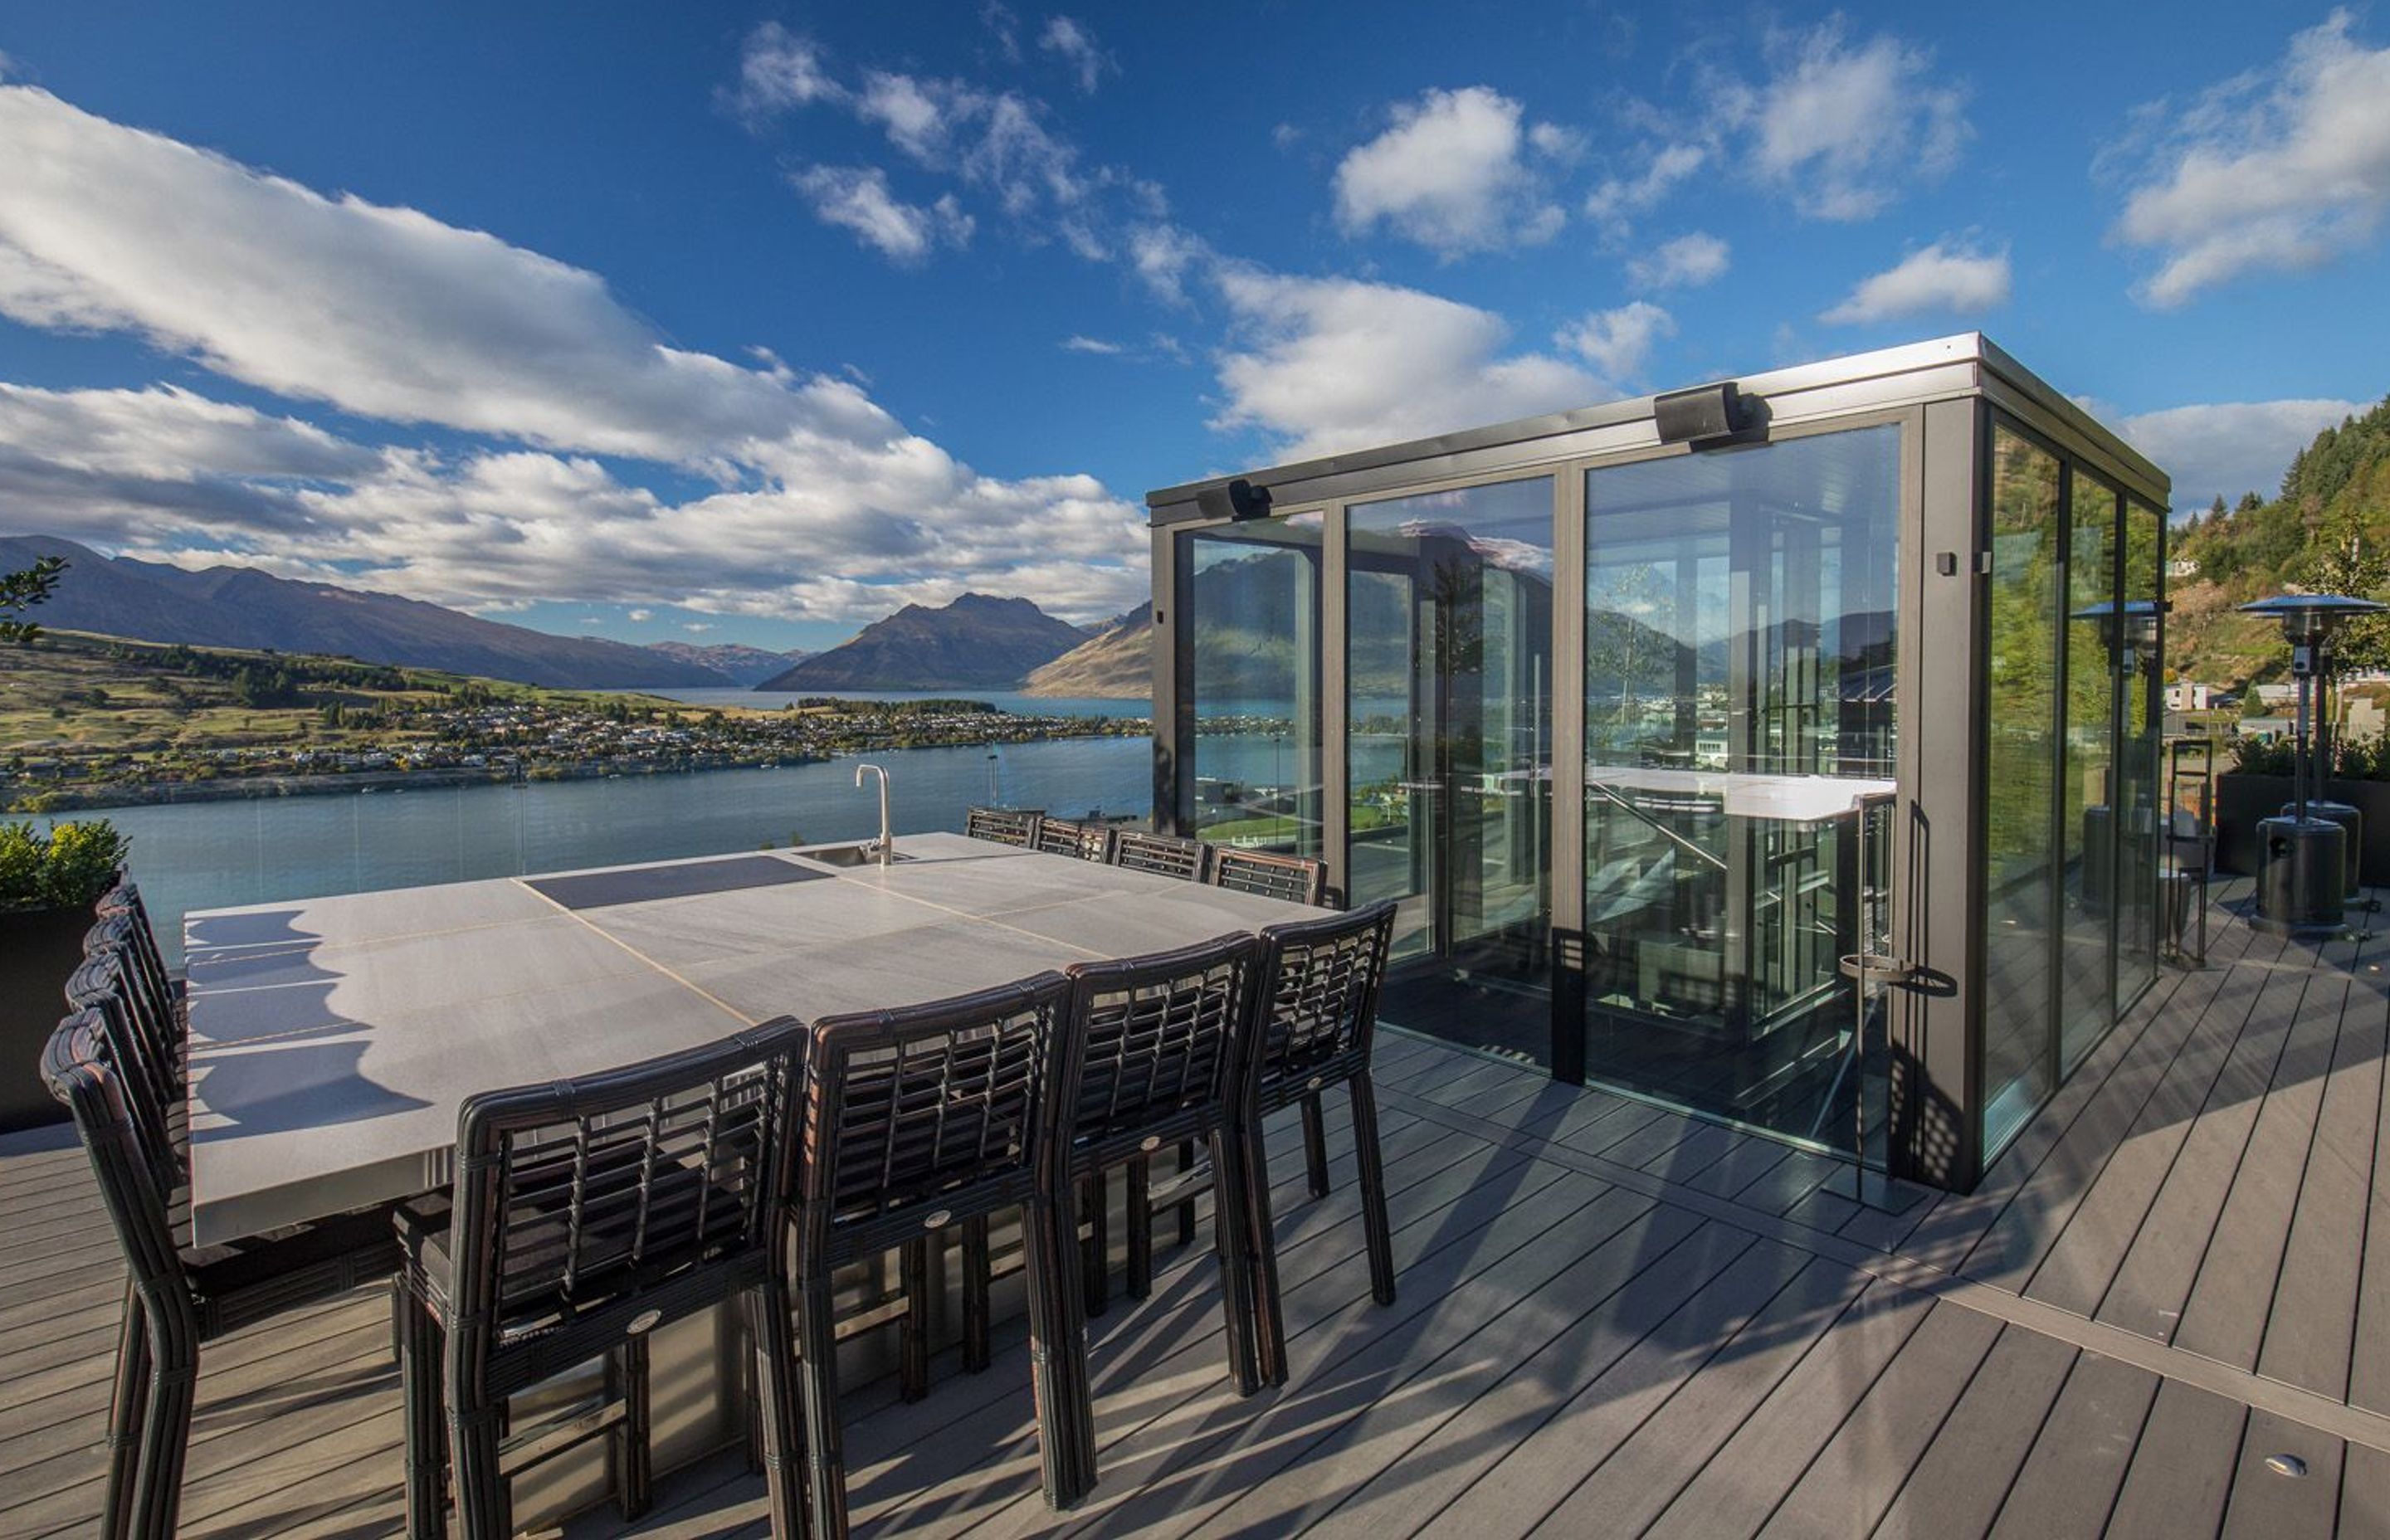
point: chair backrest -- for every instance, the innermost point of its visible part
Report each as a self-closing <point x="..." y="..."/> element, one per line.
<point x="1297" y="879"/>
<point x="582" y="1195"/>
<point x="1315" y="1008"/>
<point x="148" y="1090"/>
<point x="917" y="1116"/>
<point x="1087" y="841"/>
<point x="83" y="1070"/>
<point x="1161" y="854"/>
<point x="1160" y="1040"/>
<point x="1006" y="826"/>
<point x="124" y="934"/>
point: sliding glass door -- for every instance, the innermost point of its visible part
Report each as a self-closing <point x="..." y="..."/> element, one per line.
<point x="1739" y="616"/>
<point x="1450" y="734"/>
<point x="1253" y="591"/>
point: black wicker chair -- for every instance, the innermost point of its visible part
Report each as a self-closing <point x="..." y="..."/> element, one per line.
<point x="1163" y="1039"/>
<point x="585" y="1214"/>
<point x="177" y="1298"/>
<point x="1006" y="826"/>
<point x="1296" y="879"/>
<point x="1313" y="1026"/>
<point x="916" y="1120"/>
<point x="1160" y="853"/>
<point x="1071" y="837"/>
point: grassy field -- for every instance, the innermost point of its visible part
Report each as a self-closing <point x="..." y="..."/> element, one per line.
<point x="70" y="693"/>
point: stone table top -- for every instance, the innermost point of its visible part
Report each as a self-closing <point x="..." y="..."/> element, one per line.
<point x="334" y="1039"/>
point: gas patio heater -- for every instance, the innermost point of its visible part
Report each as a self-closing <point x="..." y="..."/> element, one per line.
<point x="2304" y="859"/>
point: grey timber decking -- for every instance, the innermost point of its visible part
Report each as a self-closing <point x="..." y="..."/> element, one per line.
<point x="1612" y="1320"/>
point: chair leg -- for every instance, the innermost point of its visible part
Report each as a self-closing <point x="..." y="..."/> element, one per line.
<point x="1269" y="1318"/>
<point x="825" y="1440"/>
<point x="1094" y="1263"/>
<point x="1374" y="1225"/>
<point x="1057" y="1354"/>
<point x="1315" y="1145"/>
<point x="779" y="1406"/>
<point x="427" y="1426"/>
<point x="627" y="1370"/>
<point x="978" y="1268"/>
<point x="1186" y="1210"/>
<point x="913" y="1330"/>
<point x="1139" y="1219"/>
<point x="1233" y="1243"/>
<point x="127" y="1409"/>
<point x="165" y="1427"/>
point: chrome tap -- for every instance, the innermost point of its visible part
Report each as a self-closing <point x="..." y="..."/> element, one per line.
<point x="885" y="846"/>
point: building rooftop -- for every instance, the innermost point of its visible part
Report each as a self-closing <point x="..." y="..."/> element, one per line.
<point x="2166" y="1296"/>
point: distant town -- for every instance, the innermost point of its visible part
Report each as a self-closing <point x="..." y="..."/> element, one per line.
<point x="90" y="722"/>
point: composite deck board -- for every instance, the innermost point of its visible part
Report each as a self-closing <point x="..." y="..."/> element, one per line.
<point x="1956" y="1489"/>
<point x="2069" y="1483"/>
<point x="1567" y="1352"/>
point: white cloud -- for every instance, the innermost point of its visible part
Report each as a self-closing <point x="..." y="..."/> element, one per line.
<point x="1616" y="199"/>
<point x="857" y="198"/>
<point x="1943" y="276"/>
<point x="1331" y="363"/>
<point x="1162" y="255"/>
<point x="1286" y="136"/>
<point x="1686" y="262"/>
<point x="642" y="616"/>
<point x="778" y="70"/>
<point x="1075" y="46"/>
<point x="2280" y="168"/>
<point x="1077" y="343"/>
<point x="908" y="111"/>
<point x="1842" y="128"/>
<point x="697" y="628"/>
<point x="1450" y="174"/>
<point x="390" y="315"/>
<point x="1618" y="342"/>
<point x="2226" y="448"/>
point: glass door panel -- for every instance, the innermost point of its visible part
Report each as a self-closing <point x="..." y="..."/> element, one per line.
<point x="2138" y="795"/>
<point x="1448" y="668"/>
<point x="2019" y="785"/>
<point x="1253" y="601"/>
<point x="1739" y="667"/>
<point x="2087" y="998"/>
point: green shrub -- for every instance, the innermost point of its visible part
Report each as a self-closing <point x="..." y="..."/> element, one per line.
<point x="67" y="867"/>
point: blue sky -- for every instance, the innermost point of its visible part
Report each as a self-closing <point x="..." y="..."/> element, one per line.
<point x="751" y="323"/>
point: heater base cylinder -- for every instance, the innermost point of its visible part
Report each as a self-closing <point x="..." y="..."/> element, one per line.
<point x="2300" y="867"/>
<point x="2352" y="821"/>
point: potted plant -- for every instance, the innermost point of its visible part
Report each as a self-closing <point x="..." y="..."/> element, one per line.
<point x="48" y="882"/>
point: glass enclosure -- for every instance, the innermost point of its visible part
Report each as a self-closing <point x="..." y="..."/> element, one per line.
<point x="1840" y="822"/>
<point x="1739" y="615"/>
<point x="1449" y="744"/>
<point x="2019" y="786"/>
<point x="1253" y="772"/>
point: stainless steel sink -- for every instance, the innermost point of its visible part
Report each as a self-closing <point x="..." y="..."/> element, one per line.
<point x="848" y="856"/>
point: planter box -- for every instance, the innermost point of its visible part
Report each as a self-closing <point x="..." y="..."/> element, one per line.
<point x="38" y="951"/>
<point x="2242" y="800"/>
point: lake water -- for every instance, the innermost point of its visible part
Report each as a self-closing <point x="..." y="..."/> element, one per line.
<point x="1003" y="701"/>
<point x="201" y="855"/>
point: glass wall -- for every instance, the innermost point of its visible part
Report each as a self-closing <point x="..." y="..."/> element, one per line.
<point x="1449" y="663"/>
<point x="2139" y="784"/>
<point x="1740" y="613"/>
<point x="2020" y="763"/>
<point x="2094" y="638"/>
<point x="1253" y="607"/>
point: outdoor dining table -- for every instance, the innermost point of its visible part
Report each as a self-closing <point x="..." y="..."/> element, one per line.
<point x="333" y="1040"/>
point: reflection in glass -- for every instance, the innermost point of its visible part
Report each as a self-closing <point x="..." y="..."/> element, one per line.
<point x="1739" y="698"/>
<point x="1449" y="601"/>
<point x="1254" y="604"/>
<point x="2138" y="783"/>
<point x="2018" y="760"/>
<point x="2095" y="642"/>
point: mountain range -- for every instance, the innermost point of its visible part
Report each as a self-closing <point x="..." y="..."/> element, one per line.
<point x="977" y="642"/>
<point x="736" y="662"/>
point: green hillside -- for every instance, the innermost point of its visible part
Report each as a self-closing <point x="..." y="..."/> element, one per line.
<point x="2328" y="530"/>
